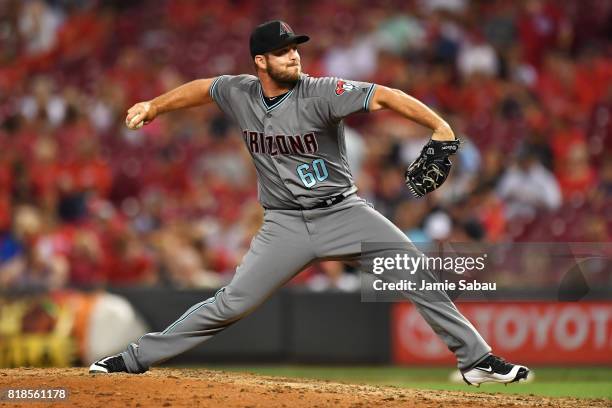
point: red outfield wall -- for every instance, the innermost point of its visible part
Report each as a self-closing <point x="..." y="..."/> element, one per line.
<point x="529" y="332"/>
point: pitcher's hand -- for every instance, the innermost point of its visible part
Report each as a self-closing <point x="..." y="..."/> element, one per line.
<point x="140" y="114"/>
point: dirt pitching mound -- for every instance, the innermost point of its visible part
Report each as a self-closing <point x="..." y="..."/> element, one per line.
<point x="204" y="388"/>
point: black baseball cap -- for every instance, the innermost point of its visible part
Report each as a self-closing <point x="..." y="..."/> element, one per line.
<point x="273" y="35"/>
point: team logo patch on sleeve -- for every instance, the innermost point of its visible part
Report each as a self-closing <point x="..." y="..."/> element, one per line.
<point x="343" y="86"/>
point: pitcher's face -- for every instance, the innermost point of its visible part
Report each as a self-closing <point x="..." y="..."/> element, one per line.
<point x="283" y="65"/>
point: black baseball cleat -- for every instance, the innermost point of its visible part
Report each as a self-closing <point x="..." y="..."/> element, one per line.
<point x="494" y="369"/>
<point x="112" y="364"/>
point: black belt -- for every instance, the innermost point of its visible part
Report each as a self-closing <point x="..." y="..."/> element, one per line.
<point x="328" y="202"/>
<point x="325" y="203"/>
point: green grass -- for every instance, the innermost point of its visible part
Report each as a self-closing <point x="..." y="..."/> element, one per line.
<point x="591" y="382"/>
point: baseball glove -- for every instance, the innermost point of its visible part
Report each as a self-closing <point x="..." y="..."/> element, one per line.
<point x="431" y="168"/>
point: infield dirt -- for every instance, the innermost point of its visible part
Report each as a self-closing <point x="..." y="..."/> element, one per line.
<point x="204" y="388"/>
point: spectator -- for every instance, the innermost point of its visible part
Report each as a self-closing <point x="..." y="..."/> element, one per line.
<point x="477" y="57"/>
<point x="575" y="174"/>
<point x="528" y="187"/>
<point x="38" y="26"/>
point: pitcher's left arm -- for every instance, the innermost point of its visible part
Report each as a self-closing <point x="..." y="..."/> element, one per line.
<point x="410" y="108"/>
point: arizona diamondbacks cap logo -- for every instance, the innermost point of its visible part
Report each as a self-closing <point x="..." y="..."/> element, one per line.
<point x="343" y="86"/>
<point x="285" y="29"/>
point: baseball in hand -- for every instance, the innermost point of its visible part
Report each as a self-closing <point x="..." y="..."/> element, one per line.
<point x="138" y="120"/>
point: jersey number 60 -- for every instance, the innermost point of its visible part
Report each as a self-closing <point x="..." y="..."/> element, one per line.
<point x="307" y="177"/>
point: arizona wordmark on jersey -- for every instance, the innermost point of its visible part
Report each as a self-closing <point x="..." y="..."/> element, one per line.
<point x="259" y="143"/>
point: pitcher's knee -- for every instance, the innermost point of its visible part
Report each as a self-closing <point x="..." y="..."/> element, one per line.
<point x="233" y="305"/>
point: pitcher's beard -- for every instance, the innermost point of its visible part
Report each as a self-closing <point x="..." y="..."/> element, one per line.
<point x="286" y="78"/>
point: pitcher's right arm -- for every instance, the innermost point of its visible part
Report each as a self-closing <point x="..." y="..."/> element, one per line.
<point x="191" y="94"/>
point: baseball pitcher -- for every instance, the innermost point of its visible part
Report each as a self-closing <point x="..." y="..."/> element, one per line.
<point x="292" y="126"/>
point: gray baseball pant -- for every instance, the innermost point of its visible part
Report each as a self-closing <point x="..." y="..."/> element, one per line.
<point x="288" y="241"/>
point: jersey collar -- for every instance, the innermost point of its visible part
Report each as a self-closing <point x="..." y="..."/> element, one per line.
<point x="281" y="100"/>
<point x="277" y="103"/>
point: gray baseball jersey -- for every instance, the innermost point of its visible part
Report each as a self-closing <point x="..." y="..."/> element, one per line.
<point x="297" y="144"/>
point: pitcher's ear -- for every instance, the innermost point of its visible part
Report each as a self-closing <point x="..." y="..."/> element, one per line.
<point x="260" y="62"/>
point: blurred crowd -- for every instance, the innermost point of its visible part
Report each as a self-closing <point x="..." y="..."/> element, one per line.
<point x="85" y="202"/>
